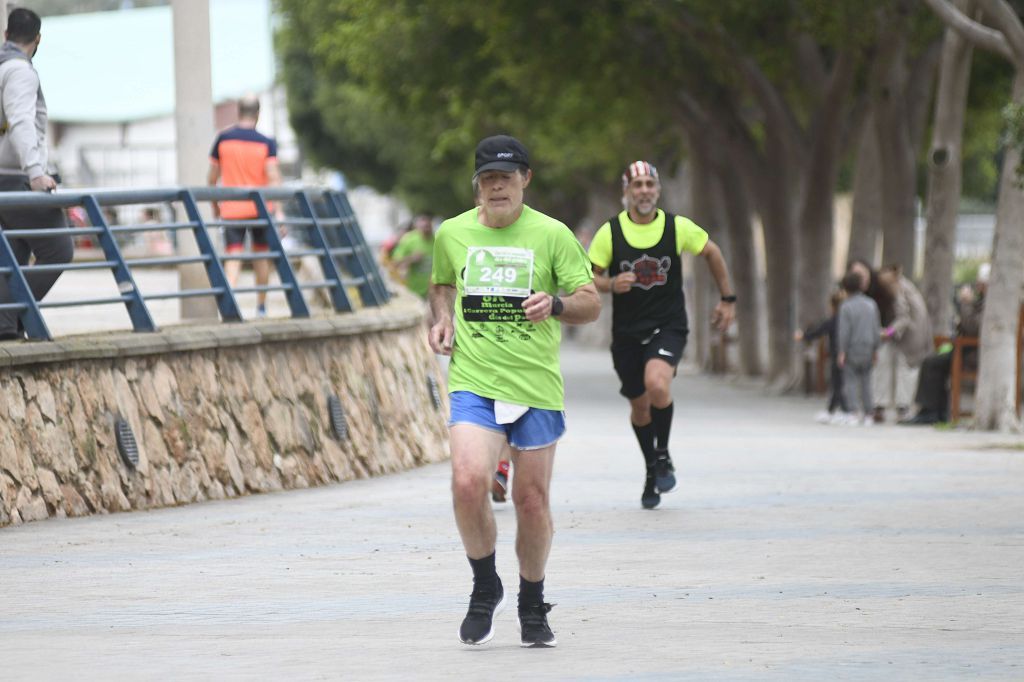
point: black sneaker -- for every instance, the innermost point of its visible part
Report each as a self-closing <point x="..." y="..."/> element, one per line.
<point x="484" y="604"/>
<point x="650" y="498"/>
<point x="664" y="472"/>
<point x="533" y="624"/>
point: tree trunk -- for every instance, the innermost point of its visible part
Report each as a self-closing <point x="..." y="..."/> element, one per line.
<point x="897" y="154"/>
<point x="866" y="221"/>
<point x="704" y="214"/>
<point x="817" y="212"/>
<point x="944" y="177"/>
<point x="742" y="266"/>
<point x="995" y="407"/>
<point x="776" y="216"/>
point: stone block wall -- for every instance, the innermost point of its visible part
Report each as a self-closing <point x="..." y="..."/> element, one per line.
<point x="217" y="411"/>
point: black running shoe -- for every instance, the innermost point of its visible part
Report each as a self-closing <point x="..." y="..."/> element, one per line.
<point x="533" y="624"/>
<point x="664" y="472"/>
<point x="650" y="498"/>
<point x="484" y="604"/>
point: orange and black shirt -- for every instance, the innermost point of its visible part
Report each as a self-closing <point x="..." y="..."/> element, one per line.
<point x="242" y="154"/>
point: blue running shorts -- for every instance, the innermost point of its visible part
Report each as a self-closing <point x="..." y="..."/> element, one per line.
<point x="534" y="430"/>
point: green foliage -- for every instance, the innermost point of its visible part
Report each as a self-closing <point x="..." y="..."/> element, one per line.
<point x="1013" y="118"/>
<point x="396" y="93"/>
<point x="965" y="270"/>
<point x="991" y="82"/>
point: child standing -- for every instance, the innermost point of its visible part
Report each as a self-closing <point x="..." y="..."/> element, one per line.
<point x="827" y="327"/>
<point x="860" y="331"/>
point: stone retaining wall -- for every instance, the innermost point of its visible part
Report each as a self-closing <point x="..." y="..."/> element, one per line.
<point x="217" y="411"/>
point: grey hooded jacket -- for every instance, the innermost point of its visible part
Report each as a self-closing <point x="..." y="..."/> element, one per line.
<point x="22" y="115"/>
<point x="859" y="329"/>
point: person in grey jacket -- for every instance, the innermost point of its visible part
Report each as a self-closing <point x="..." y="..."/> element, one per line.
<point x="860" y="332"/>
<point x="23" y="162"/>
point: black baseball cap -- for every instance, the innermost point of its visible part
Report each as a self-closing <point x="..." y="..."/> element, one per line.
<point x="500" y="152"/>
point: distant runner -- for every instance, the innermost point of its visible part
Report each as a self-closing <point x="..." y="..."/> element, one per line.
<point x="637" y="259"/>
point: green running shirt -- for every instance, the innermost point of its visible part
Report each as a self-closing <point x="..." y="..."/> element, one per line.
<point x="498" y="353"/>
<point x="418" y="277"/>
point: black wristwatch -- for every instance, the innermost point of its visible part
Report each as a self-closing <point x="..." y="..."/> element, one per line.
<point x="557" y="307"/>
<point x="731" y="298"/>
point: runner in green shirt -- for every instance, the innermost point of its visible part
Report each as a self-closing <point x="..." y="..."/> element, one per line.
<point x="497" y="272"/>
<point x="413" y="253"/>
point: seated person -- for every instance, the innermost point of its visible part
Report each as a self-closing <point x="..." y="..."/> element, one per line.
<point x="932" y="396"/>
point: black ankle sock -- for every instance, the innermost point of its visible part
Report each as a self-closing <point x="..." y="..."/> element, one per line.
<point x="530" y="593"/>
<point x="661" y="420"/>
<point x="484" y="572"/>
<point x="645" y="436"/>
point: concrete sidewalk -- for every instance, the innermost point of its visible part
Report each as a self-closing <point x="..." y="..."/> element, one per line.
<point x="790" y="551"/>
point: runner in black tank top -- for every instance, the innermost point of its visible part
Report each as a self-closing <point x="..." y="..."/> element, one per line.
<point x="636" y="256"/>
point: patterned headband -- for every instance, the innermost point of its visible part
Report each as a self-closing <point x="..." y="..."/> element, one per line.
<point x="636" y="169"/>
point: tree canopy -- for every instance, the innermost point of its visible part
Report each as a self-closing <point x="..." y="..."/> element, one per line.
<point x="396" y="93"/>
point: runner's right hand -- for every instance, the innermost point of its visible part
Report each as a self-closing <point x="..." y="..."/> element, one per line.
<point x="43" y="183"/>
<point x="441" y="335"/>
<point x="623" y="282"/>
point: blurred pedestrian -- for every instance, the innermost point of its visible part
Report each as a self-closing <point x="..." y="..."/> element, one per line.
<point x="23" y="164"/>
<point x="859" y="331"/>
<point x="932" y="395"/>
<point x="243" y="157"/>
<point x="828" y="328"/>
<point x="883" y="299"/>
<point x="908" y="339"/>
<point x="413" y="255"/>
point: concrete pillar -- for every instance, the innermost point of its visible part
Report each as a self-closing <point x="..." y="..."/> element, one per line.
<point x="193" y="121"/>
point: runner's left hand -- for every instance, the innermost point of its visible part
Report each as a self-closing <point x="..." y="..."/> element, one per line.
<point x="538" y="306"/>
<point x="723" y="315"/>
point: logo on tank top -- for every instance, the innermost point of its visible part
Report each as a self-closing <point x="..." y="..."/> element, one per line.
<point x="650" y="272"/>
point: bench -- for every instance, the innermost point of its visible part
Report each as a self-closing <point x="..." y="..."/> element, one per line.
<point x="958" y="375"/>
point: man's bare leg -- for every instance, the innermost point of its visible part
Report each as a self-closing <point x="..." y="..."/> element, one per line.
<point x="531" y="495"/>
<point x="658" y="376"/>
<point x="475" y="453"/>
<point x="261" y="270"/>
<point x="232" y="269"/>
<point x="532" y="498"/>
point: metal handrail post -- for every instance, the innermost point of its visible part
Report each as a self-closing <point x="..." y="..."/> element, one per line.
<point x="356" y="262"/>
<point x="226" y="303"/>
<point x="351" y="225"/>
<point x="351" y="260"/>
<point x="284" y="269"/>
<point x="17" y="285"/>
<point x="142" y="321"/>
<point x="331" y="272"/>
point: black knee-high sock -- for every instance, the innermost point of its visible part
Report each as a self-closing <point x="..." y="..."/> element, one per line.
<point x="661" y="420"/>
<point x="484" y="572"/>
<point x="645" y="436"/>
<point x="530" y="594"/>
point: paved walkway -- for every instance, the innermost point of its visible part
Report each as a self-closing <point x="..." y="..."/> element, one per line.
<point x="791" y="551"/>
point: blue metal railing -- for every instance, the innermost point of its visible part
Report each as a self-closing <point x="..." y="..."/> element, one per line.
<point x="334" y="236"/>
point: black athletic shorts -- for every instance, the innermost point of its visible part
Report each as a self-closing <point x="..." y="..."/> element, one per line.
<point x="234" y="238"/>
<point x="630" y="355"/>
